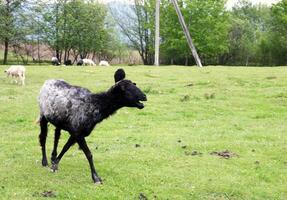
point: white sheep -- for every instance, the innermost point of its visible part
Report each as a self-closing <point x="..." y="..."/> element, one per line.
<point x="104" y="63"/>
<point x="88" y="62"/>
<point x="55" y="61"/>
<point x="16" y="71"/>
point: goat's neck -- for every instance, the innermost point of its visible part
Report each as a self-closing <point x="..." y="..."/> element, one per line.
<point x="108" y="104"/>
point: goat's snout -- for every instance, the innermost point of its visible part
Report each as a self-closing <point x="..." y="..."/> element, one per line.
<point x="144" y="98"/>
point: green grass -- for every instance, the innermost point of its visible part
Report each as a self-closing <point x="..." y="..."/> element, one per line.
<point x="243" y="110"/>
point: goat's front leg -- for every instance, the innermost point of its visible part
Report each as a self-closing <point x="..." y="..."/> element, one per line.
<point x="66" y="147"/>
<point x="83" y="144"/>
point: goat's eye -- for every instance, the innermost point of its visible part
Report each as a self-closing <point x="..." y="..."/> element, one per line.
<point x="134" y="83"/>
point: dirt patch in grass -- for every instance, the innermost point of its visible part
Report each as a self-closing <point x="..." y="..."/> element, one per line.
<point x="224" y="154"/>
<point x="185" y="98"/>
<point x="209" y="96"/>
<point x="193" y="153"/>
<point x="189" y="85"/>
<point x="142" y="197"/>
<point x="49" y="194"/>
<point x="257" y="162"/>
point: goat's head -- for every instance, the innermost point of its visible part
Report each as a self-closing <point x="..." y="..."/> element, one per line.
<point x="128" y="94"/>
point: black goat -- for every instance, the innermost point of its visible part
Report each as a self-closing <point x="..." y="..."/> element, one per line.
<point x="68" y="62"/>
<point x="80" y="62"/>
<point x="77" y="110"/>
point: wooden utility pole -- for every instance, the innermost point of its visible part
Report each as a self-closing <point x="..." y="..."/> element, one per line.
<point x="186" y="33"/>
<point x="156" y="48"/>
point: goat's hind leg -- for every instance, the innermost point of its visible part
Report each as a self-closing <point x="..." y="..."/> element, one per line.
<point x="42" y="139"/>
<point x="23" y="79"/>
<point x="56" y="141"/>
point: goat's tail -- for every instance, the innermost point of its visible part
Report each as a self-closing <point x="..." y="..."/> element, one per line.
<point x="37" y="121"/>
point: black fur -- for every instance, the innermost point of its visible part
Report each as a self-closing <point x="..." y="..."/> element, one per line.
<point x="119" y="75"/>
<point x="56" y="63"/>
<point x="68" y="62"/>
<point x="77" y="110"/>
<point x="80" y="62"/>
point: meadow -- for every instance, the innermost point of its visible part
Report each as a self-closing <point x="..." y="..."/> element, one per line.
<point x="210" y="133"/>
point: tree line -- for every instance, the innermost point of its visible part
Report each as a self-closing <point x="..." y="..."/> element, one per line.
<point x="247" y="34"/>
<point x="244" y="35"/>
<point x="73" y="29"/>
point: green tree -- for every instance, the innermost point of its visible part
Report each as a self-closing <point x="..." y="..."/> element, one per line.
<point x="76" y="26"/>
<point x="248" y="32"/>
<point x="278" y="33"/>
<point x="137" y="24"/>
<point x="9" y="29"/>
<point x="208" y="25"/>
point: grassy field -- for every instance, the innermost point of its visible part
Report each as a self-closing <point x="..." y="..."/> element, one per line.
<point x="163" y="151"/>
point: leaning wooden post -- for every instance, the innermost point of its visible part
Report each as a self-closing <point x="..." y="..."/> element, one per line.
<point x="156" y="46"/>
<point x="186" y="33"/>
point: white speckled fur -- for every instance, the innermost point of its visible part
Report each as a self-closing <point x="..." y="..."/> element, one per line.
<point x="67" y="106"/>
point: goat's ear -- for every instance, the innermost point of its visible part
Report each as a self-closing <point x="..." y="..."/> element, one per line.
<point x="119" y="75"/>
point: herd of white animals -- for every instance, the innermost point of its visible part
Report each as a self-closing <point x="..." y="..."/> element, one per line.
<point x="85" y="61"/>
<point x="17" y="72"/>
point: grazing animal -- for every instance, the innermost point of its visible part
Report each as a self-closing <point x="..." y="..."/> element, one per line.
<point x="88" y="62"/>
<point x="55" y="61"/>
<point x="68" y="62"/>
<point x="17" y="72"/>
<point x="119" y="75"/>
<point x="104" y="63"/>
<point x="80" y="62"/>
<point x="77" y="110"/>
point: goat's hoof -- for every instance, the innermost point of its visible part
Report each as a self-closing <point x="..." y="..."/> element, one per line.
<point x="97" y="180"/>
<point x="98" y="183"/>
<point x="54" y="167"/>
<point x="44" y="163"/>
